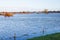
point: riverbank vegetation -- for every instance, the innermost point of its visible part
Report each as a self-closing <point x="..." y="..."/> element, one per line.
<point x="55" y="36"/>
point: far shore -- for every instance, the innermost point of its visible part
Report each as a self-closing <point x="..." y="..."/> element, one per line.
<point x="31" y="12"/>
<point x="8" y="14"/>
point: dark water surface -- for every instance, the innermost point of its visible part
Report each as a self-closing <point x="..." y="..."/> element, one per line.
<point x="29" y="25"/>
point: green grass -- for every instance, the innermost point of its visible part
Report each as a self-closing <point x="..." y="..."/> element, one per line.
<point x="55" y="36"/>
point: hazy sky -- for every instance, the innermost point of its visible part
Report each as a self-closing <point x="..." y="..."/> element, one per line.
<point x="29" y="5"/>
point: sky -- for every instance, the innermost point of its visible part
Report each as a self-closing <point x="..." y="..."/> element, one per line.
<point x="29" y="5"/>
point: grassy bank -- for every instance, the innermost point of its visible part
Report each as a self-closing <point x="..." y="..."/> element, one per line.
<point x="55" y="36"/>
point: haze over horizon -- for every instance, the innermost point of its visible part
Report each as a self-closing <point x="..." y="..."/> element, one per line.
<point x="29" y="5"/>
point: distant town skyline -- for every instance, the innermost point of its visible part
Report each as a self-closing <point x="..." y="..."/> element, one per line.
<point x="29" y="5"/>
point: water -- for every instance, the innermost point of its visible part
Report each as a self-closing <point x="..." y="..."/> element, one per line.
<point x="29" y="25"/>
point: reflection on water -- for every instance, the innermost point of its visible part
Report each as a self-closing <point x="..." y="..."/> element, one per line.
<point x="28" y="25"/>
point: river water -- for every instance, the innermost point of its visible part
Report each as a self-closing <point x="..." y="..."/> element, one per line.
<point x="26" y="26"/>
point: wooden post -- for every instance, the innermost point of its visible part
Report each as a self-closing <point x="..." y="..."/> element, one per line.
<point x="14" y="36"/>
<point x="43" y="31"/>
